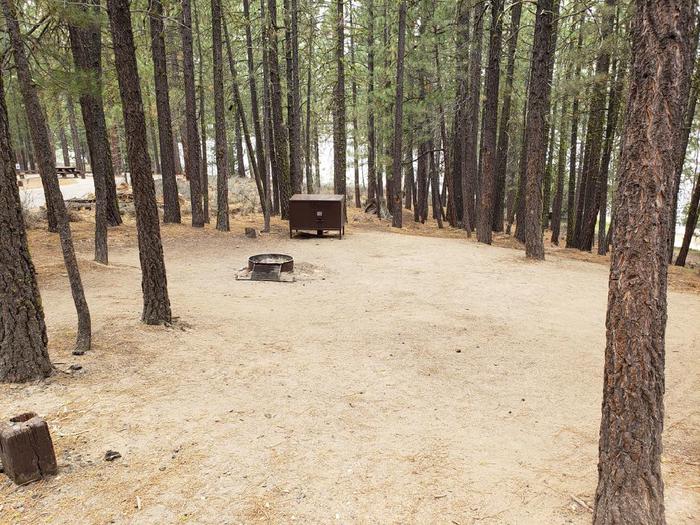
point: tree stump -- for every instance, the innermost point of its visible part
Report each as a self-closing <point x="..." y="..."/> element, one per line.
<point x="251" y="233"/>
<point x="26" y="449"/>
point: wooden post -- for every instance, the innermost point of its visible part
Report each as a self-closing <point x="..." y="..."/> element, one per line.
<point x="26" y="449"/>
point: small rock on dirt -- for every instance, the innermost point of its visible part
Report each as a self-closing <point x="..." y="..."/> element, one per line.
<point x="111" y="455"/>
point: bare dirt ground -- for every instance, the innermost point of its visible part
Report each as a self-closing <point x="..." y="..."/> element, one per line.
<point x="401" y="379"/>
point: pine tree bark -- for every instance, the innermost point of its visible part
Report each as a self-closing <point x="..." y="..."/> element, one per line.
<point x="537" y="112"/>
<point x="154" y="285"/>
<point x="168" y="153"/>
<point x="23" y="341"/>
<point x="291" y="10"/>
<point x="86" y="47"/>
<point x="222" y="214"/>
<point x="339" y="116"/>
<point x="47" y="168"/>
<point x="192" y="158"/>
<point x="489" y="184"/>
<point x="630" y="486"/>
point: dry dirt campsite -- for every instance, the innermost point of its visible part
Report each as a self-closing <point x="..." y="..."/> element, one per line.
<point x="413" y="377"/>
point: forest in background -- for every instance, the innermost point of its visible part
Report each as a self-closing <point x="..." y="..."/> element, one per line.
<point x="293" y="77"/>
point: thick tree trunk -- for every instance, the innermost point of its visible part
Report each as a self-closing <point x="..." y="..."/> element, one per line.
<point x="489" y="184"/>
<point x="222" y="215"/>
<point x="156" y="304"/>
<point x="23" y="342"/>
<point x="537" y="111"/>
<point x="168" y="153"/>
<point x="86" y="47"/>
<point x="273" y="187"/>
<point x="192" y="158"/>
<point x="630" y="487"/>
<point x="339" y="119"/>
<point x="47" y="168"/>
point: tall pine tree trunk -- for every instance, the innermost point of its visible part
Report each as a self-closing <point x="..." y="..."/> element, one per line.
<point x="23" y="342"/>
<point x="487" y="202"/>
<point x="630" y="486"/>
<point x="584" y="231"/>
<point x="505" y="125"/>
<point x="204" y="160"/>
<point x="371" y="103"/>
<point x="85" y="40"/>
<point x="536" y="125"/>
<point x="168" y="153"/>
<point x="691" y="222"/>
<point x="460" y="121"/>
<point x="689" y="99"/>
<point x="222" y="215"/>
<point x="561" y="168"/>
<point x="47" y="167"/>
<point x="75" y="138"/>
<point x="279" y="133"/>
<point x="470" y="159"/>
<point x="339" y="131"/>
<point x="154" y="285"/>
<point x="610" y="127"/>
<point x="192" y="158"/>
